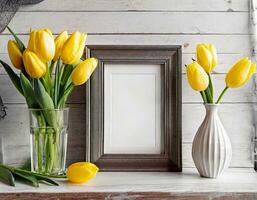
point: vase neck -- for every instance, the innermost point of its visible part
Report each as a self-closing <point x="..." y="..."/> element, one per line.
<point x="211" y="108"/>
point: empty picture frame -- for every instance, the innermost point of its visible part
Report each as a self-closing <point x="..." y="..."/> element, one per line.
<point x="133" y="106"/>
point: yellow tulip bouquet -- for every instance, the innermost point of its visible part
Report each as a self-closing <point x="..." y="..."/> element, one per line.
<point x="49" y="69"/>
<point x="199" y="73"/>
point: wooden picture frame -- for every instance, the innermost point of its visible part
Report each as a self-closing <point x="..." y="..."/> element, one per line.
<point x="169" y="59"/>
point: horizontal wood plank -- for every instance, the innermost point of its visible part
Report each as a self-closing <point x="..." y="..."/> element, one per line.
<point x="225" y="61"/>
<point x="241" y="156"/>
<point x="138" y="5"/>
<point x="244" y="94"/>
<point x="225" y="44"/>
<point x="134" y="22"/>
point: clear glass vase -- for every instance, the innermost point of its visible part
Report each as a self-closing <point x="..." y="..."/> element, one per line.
<point x="48" y="140"/>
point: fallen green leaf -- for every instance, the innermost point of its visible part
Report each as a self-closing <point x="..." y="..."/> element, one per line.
<point x="6" y="176"/>
<point x="26" y="177"/>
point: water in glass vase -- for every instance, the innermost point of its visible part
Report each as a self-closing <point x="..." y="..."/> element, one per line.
<point x="48" y="135"/>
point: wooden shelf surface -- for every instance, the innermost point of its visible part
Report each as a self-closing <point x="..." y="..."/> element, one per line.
<point x="235" y="183"/>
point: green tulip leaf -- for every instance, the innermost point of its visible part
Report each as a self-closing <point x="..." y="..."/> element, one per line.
<point x="31" y="179"/>
<point x="66" y="74"/>
<point x="45" y="179"/>
<point x="6" y="176"/>
<point x="63" y="99"/>
<point x="14" y="77"/>
<point x="28" y="92"/>
<point x="19" y="42"/>
<point x="45" y="102"/>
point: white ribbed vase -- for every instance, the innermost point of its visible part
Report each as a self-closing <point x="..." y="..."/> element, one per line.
<point x="211" y="149"/>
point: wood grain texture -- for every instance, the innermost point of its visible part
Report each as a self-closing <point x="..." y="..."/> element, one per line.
<point x="241" y="95"/>
<point x="130" y="195"/>
<point x="226" y="44"/>
<point x="139" y="5"/>
<point x="225" y="61"/>
<point x="234" y="184"/>
<point x="134" y="22"/>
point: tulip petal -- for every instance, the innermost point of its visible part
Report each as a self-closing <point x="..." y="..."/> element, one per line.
<point x="238" y="74"/>
<point x="197" y="77"/>
<point x="81" y="172"/>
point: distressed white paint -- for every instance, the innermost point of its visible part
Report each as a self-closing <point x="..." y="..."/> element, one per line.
<point x="226" y="44"/>
<point x="132" y="108"/>
<point x="179" y="22"/>
<point x="139" y="5"/>
<point x="134" y="22"/>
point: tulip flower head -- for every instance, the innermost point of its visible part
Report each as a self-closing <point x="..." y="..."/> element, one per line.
<point x="59" y="42"/>
<point x="73" y="48"/>
<point x="83" y="71"/>
<point x="207" y="56"/>
<point x="35" y="67"/>
<point x="197" y="77"/>
<point x="81" y="172"/>
<point x="42" y="43"/>
<point x="15" y="54"/>
<point x="240" y="73"/>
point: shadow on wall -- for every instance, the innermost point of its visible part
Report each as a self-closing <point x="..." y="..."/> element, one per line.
<point x="8" y="8"/>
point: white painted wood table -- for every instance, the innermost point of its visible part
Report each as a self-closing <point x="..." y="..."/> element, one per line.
<point x="234" y="184"/>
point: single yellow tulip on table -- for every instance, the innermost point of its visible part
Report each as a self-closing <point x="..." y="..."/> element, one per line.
<point x="81" y="172"/>
<point x="15" y="54"/>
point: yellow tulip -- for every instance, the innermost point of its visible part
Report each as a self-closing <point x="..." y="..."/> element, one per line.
<point x="83" y="71"/>
<point x="59" y="42"/>
<point x="15" y="54"/>
<point x="207" y="56"/>
<point x="73" y="48"/>
<point x="35" y="67"/>
<point x="197" y="77"/>
<point x="240" y="73"/>
<point x="81" y="172"/>
<point x="42" y="43"/>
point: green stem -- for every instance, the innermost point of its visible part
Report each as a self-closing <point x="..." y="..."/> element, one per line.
<point x="56" y="82"/>
<point x="39" y="144"/>
<point x="222" y="94"/>
<point x="208" y="95"/>
<point x="211" y="86"/>
<point x="56" y="164"/>
<point x="203" y="96"/>
<point x="49" y="152"/>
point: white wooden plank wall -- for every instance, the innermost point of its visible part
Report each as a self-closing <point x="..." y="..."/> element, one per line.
<point x="172" y="22"/>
